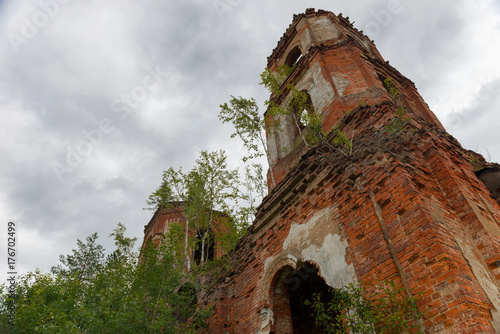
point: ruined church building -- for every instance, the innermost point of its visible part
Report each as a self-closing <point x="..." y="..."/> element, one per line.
<point x="405" y="205"/>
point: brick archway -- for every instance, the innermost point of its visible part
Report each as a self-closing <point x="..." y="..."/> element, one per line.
<point x="288" y="283"/>
<point x="272" y="269"/>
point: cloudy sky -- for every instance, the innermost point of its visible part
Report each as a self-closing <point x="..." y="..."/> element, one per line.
<point x="97" y="98"/>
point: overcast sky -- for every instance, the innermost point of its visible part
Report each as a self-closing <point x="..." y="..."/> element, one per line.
<point x="97" y="98"/>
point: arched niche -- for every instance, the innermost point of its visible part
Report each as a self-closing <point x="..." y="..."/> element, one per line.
<point x="291" y="283"/>
<point x="293" y="56"/>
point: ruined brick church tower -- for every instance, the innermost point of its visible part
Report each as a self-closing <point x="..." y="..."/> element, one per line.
<point x="405" y="204"/>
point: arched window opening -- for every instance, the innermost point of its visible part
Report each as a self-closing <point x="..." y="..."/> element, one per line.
<point x="293" y="57"/>
<point x="302" y="109"/>
<point x="204" y="246"/>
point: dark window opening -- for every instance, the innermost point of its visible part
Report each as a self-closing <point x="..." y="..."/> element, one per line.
<point x="204" y="246"/>
<point x="293" y="57"/>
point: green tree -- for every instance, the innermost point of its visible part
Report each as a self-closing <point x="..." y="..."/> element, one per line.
<point x="208" y="194"/>
<point x="84" y="262"/>
<point x="120" y="296"/>
<point x="249" y="126"/>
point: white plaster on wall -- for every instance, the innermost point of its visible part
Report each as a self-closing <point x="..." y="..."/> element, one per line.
<point x="266" y="320"/>
<point x="331" y="261"/>
<point x="486" y="282"/>
<point x="306" y="40"/>
<point x="272" y="147"/>
<point x="322" y="91"/>
<point x="363" y="41"/>
<point x="318" y="240"/>
<point x="340" y="83"/>
<point x="286" y="136"/>
<point x="323" y="29"/>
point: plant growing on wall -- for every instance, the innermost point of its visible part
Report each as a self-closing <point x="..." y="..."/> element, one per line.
<point x="401" y="114"/>
<point x="299" y="108"/>
<point x="354" y="309"/>
<point x="251" y="127"/>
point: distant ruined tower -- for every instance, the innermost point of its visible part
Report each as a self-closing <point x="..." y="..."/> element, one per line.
<point x="405" y="205"/>
<point x="163" y="220"/>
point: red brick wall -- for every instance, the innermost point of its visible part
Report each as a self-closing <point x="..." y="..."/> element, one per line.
<point x="404" y="206"/>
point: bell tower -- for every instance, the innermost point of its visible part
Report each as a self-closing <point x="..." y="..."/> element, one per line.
<point x="406" y="204"/>
<point x="340" y="69"/>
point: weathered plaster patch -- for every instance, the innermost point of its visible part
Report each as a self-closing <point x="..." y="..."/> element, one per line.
<point x="363" y="41"/>
<point x="266" y="320"/>
<point x="318" y="240"/>
<point x="489" y="225"/>
<point x="306" y="40"/>
<point x="486" y="282"/>
<point x="331" y="261"/>
<point x="272" y="147"/>
<point x="286" y="138"/>
<point x="340" y="83"/>
<point x="321" y="92"/>
<point x="323" y="29"/>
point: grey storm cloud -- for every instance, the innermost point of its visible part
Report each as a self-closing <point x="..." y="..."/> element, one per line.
<point x="86" y="132"/>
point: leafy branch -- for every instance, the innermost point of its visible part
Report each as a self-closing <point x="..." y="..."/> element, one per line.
<point x="299" y="107"/>
<point x="249" y="126"/>
<point x="354" y="309"/>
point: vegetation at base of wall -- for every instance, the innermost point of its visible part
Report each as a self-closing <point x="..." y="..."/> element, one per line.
<point x="354" y="309"/>
<point x="106" y="294"/>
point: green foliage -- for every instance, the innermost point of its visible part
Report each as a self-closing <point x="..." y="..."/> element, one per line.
<point x="249" y="126"/>
<point x="84" y="262"/>
<point x="120" y="296"/>
<point x="206" y="196"/>
<point x="274" y="80"/>
<point x="343" y="141"/>
<point x="476" y="163"/>
<point x="254" y="189"/>
<point x="353" y="309"/>
<point x="300" y="110"/>
<point x="399" y="122"/>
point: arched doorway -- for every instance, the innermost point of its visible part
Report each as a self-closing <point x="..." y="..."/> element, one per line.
<point x="289" y="291"/>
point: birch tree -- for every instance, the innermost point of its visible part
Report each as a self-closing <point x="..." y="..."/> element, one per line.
<point x="208" y="193"/>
